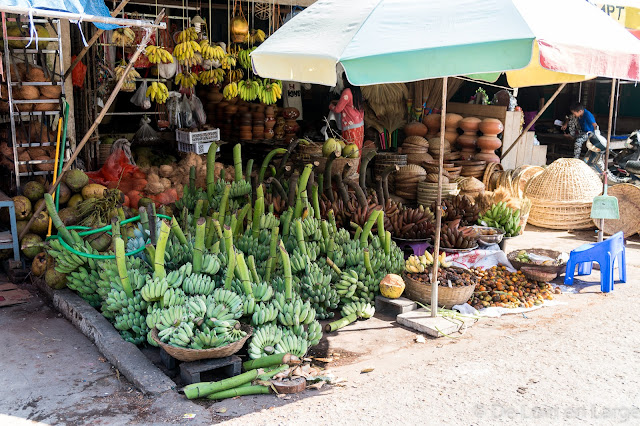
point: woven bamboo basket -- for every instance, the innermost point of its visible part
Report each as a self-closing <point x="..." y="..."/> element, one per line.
<point x="561" y="196"/>
<point x="447" y="296"/>
<point x="183" y="354"/>
<point x="384" y="159"/>
<point x="308" y="152"/>
<point x="629" y="205"/>
<point x="537" y="275"/>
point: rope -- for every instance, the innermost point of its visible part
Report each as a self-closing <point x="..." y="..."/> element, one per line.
<point x="484" y="83"/>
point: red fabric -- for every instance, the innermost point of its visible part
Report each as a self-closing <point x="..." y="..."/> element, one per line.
<point x="349" y="114"/>
<point x="78" y="73"/>
<point x="355" y="136"/>
<point x="578" y="60"/>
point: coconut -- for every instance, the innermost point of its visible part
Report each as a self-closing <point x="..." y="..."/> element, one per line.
<point x="331" y="145"/>
<point x="31" y="245"/>
<point x="26" y="92"/>
<point x="351" y="151"/>
<point x="22" y="207"/>
<point x="34" y="191"/>
<point x="55" y="279"/>
<point x="20" y="225"/>
<point x="39" y="264"/>
<point x="76" y="179"/>
<point x="36" y="74"/>
<point x="65" y="193"/>
<point x="40" y="224"/>
<point x="36" y="152"/>
<point x="69" y="216"/>
<point x="43" y="167"/>
<point x="37" y="205"/>
<point x="75" y="200"/>
<point x="46" y="106"/>
<point x="23" y="156"/>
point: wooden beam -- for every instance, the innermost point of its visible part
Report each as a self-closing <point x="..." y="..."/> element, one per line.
<point x="526" y="129"/>
<point x="93" y="39"/>
<point x="94" y="126"/>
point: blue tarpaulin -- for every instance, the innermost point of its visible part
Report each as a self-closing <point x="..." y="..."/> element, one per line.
<point x="83" y="7"/>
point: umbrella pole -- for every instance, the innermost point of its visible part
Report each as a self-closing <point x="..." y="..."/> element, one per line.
<point x="526" y="129"/>
<point x="606" y="152"/>
<point x="438" y="212"/>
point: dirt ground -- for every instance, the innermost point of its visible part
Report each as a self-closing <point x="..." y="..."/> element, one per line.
<point x="576" y="362"/>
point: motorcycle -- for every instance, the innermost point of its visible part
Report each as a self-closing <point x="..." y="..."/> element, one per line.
<point x="626" y="164"/>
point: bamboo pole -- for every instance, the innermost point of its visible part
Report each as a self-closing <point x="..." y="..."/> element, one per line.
<point x="93" y="39"/>
<point x="94" y="126"/>
<point x="526" y="129"/>
<point x="606" y="152"/>
<point x="436" y="245"/>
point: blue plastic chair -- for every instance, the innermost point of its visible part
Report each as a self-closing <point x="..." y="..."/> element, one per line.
<point x="605" y="253"/>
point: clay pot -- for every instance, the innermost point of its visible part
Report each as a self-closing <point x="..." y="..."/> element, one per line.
<point x="491" y="126"/>
<point x="269" y="111"/>
<point x="269" y="133"/>
<point x="470" y="124"/>
<point x="451" y="135"/>
<point x="257" y="116"/>
<point x="215" y="96"/>
<point x="432" y="121"/>
<point x="230" y="109"/>
<point x="415" y="129"/>
<point x="451" y="121"/>
<point x="467" y="141"/>
<point x="269" y="122"/>
<point x="488" y="145"/>
<point x="290" y="113"/>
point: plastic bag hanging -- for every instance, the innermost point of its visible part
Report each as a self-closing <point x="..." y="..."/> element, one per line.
<point x="198" y="110"/>
<point x="145" y="134"/>
<point x="140" y="98"/>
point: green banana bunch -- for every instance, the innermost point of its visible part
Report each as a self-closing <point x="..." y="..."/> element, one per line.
<point x="264" y="340"/>
<point x="66" y="261"/>
<point x="264" y="313"/>
<point x="173" y="297"/>
<point x="503" y="217"/>
<point x="262" y="292"/>
<point x="240" y="189"/>
<point x="85" y="283"/>
<point x="316" y="287"/>
<point x="196" y="308"/>
<point x="295" y="313"/>
<point x="208" y="339"/>
<point x="210" y="264"/>
<point x="154" y="289"/>
<point x="198" y="284"/>
<point x="299" y="262"/>
<point x="362" y="310"/>
<point x="348" y="284"/>
<point x="249" y="305"/>
<point x="314" y="333"/>
<point x="292" y="344"/>
<point x="217" y="313"/>
<point x="169" y="318"/>
<point x="269" y="221"/>
<point x="229" y="299"/>
<point x="180" y="336"/>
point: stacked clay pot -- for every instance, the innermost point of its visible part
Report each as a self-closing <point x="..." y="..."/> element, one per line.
<point x="489" y="141"/>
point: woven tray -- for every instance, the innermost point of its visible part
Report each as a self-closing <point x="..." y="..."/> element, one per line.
<point x="183" y="354"/>
<point x="556" y="269"/>
<point x="562" y="216"/>
<point x="447" y="296"/>
<point x="629" y="205"/>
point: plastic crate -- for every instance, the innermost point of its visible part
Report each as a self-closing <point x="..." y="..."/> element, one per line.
<point x="198" y="148"/>
<point x="198" y="137"/>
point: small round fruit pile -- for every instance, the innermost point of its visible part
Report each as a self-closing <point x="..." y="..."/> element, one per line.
<point x="500" y="288"/>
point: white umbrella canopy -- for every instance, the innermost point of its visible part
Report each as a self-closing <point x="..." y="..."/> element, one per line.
<point x="387" y="41"/>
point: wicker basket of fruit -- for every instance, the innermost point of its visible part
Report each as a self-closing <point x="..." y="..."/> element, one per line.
<point x="456" y="286"/>
<point x="539" y="259"/>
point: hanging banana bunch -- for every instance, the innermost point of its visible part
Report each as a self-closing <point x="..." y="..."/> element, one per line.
<point x="230" y="91"/>
<point x="186" y="80"/>
<point x="123" y="37"/>
<point x="157" y="55"/>
<point x="188" y="50"/>
<point x="215" y="76"/>
<point x="249" y="89"/>
<point x="244" y="58"/>
<point x="270" y="91"/>
<point x="158" y="92"/>
<point x="235" y="75"/>
<point x="214" y="53"/>
<point x="129" y="80"/>
<point x="228" y="61"/>
<point x="256" y="36"/>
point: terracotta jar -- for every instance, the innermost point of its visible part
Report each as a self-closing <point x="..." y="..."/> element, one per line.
<point x="269" y="133"/>
<point x="467" y="141"/>
<point x="415" y="129"/>
<point x="290" y="113"/>
<point x="432" y="121"/>
<point x="489" y="142"/>
<point x="269" y="122"/>
<point x="451" y="127"/>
